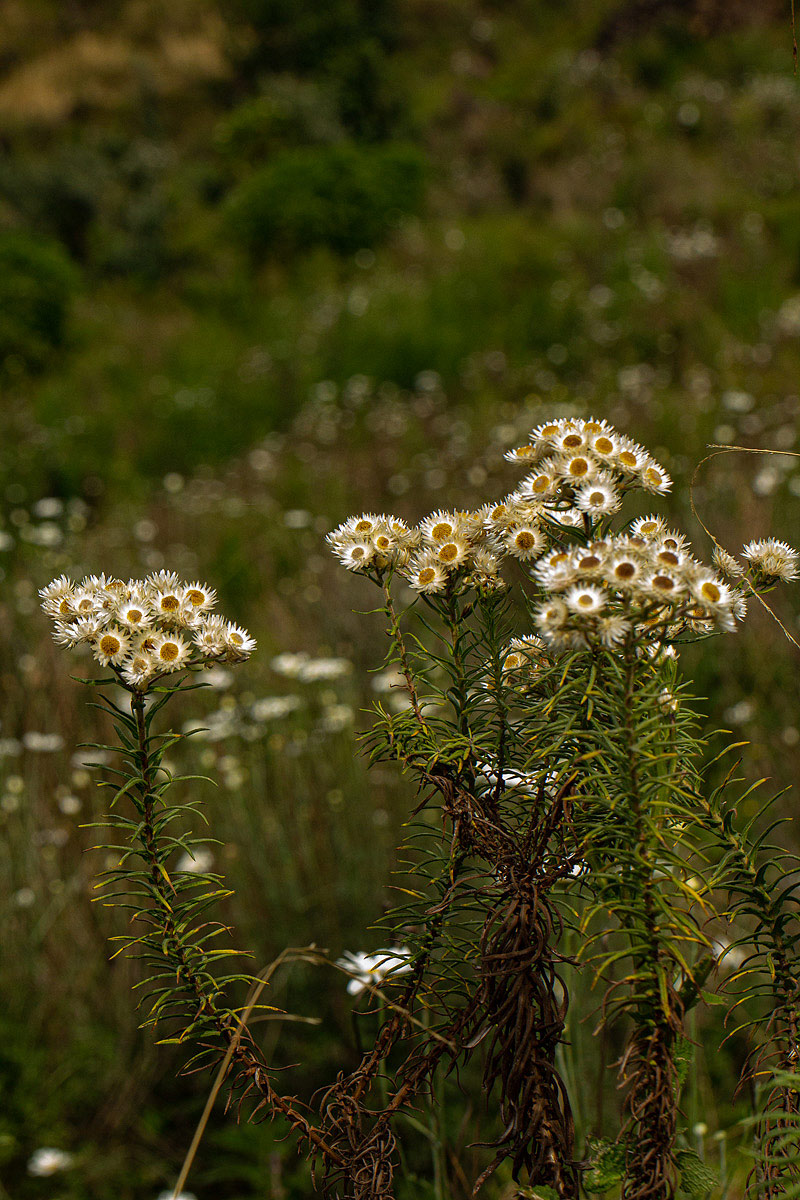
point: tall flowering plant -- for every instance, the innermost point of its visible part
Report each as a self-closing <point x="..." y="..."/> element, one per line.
<point x="546" y="719"/>
<point x="562" y="802"/>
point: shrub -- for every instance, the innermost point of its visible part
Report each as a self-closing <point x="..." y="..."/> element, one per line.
<point x="37" y="284"/>
<point x="343" y="197"/>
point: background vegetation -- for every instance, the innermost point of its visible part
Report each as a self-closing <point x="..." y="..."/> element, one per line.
<point x="264" y="264"/>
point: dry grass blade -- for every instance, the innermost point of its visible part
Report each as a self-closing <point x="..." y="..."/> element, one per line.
<point x="307" y="953"/>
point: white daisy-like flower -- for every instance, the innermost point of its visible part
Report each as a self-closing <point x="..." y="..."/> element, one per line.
<point x="545" y="435"/>
<point x="525" y="542"/>
<point x="357" y="556"/>
<point x="426" y="575"/>
<point x="631" y="457"/>
<point x="363" y="526"/>
<point x="664" y="585"/>
<point x="612" y="630"/>
<point x="570" y="440"/>
<point x="575" y="468"/>
<point x="371" y="970"/>
<point x="58" y="597"/>
<point x="170" y="652"/>
<point x="135" y="613"/>
<point x="485" y="562"/>
<point x="586" y="599"/>
<point x="209" y="635"/>
<point x="168" y="604"/>
<point x="654" y="478"/>
<point x="162" y="581"/>
<point x="139" y="668"/>
<point x="623" y="570"/>
<point x="726" y="563"/>
<point x="711" y="592"/>
<point x="598" y="498"/>
<point x="67" y="634"/>
<point x="441" y="527"/>
<point x="556" y="570"/>
<point x="542" y="484"/>
<point x="112" y="645"/>
<point x="86" y="602"/>
<point x="199" y="597"/>
<point x="239" y="645"/>
<point x="604" y="443"/>
<point x="48" y="1160"/>
<point x="650" y="527"/>
<point x="451" y="553"/>
<point x="774" y="559"/>
<point x="85" y="629"/>
<point x="590" y="560"/>
<point x="523" y="454"/>
<point x="551" y="615"/>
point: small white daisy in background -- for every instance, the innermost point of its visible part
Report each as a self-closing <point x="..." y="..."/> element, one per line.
<point x="196" y="862"/>
<point x="48" y="1160"/>
<point x="370" y="970"/>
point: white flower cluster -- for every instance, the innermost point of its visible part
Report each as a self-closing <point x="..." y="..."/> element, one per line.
<point x="582" y="470"/>
<point x="596" y="585"/>
<point x="144" y="628"/>
<point x="643" y="581"/>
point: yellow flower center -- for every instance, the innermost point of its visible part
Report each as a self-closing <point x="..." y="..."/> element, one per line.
<point x="653" y="476"/>
<point x="668" y="558"/>
<point x="363" y="526"/>
<point x="586" y="601"/>
<point x="628" y="459"/>
<point x="625" y="570"/>
<point x="603" y="445"/>
<point x="236" y="639"/>
<point x="525" y="540"/>
<point x="426" y="576"/>
<point x="710" y="591"/>
<point x="448" y="552"/>
<point x="441" y="531"/>
<point x="357" y="552"/>
<point x="664" y="583"/>
<point x="589" y="563"/>
<point x="195" y="597"/>
<point x="169" y="652"/>
<point x="109" y="644"/>
<point x="540" y="484"/>
<point x="548" y="431"/>
<point x="578" y="466"/>
<point x="134" y="615"/>
<point x="169" y="604"/>
<point x="572" y="441"/>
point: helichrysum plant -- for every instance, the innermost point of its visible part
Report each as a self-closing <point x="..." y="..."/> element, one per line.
<point x="563" y="803"/>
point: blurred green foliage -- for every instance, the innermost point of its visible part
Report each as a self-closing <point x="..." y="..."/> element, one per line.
<point x="38" y="284"/>
<point x="341" y="196"/>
